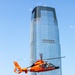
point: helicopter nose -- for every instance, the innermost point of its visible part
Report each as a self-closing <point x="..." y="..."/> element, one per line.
<point x="56" y="67"/>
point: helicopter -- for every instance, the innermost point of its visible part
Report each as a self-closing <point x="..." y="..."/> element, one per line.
<point x="38" y="66"/>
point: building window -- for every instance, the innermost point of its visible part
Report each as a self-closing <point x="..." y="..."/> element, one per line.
<point x="48" y="41"/>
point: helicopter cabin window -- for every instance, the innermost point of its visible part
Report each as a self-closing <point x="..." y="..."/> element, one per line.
<point x="44" y="66"/>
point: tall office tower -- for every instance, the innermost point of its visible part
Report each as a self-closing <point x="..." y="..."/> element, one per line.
<point x="45" y="37"/>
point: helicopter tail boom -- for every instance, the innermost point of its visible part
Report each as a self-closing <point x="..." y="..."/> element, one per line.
<point x="17" y="68"/>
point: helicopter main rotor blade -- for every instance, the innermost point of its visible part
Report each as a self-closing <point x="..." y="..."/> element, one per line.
<point x="41" y="56"/>
<point x="54" y="58"/>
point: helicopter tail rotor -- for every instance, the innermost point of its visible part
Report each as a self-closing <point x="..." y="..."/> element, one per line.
<point x="17" y="68"/>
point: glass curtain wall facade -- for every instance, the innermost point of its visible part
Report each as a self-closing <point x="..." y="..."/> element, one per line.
<point x="45" y="37"/>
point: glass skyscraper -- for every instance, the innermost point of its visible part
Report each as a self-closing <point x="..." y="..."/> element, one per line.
<point x="45" y="37"/>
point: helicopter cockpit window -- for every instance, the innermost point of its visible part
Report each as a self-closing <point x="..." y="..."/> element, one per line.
<point x="51" y="65"/>
<point x="44" y="66"/>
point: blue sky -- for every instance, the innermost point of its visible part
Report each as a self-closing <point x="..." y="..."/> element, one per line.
<point x="15" y="17"/>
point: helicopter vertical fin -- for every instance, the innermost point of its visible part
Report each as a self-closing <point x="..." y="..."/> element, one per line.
<point x="17" y="68"/>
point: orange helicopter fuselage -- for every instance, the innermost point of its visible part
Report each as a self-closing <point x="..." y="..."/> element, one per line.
<point x="38" y="66"/>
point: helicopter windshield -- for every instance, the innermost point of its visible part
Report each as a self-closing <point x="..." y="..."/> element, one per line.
<point x="47" y="65"/>
<point x="51" y="65"/>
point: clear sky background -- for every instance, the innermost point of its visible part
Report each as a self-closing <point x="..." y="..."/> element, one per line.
<point x="15" y="18"/>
